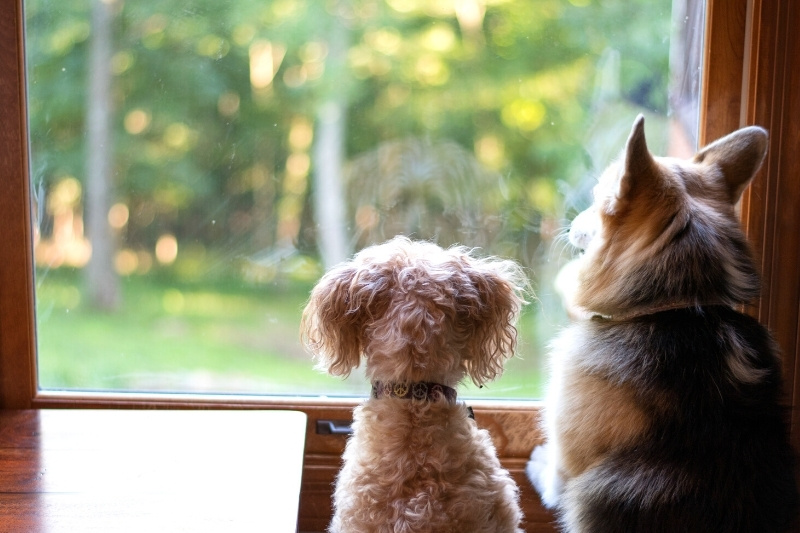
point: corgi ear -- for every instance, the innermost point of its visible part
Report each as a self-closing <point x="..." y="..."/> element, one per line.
<point x="738" y="155"/>
<point x="639" y="169"/>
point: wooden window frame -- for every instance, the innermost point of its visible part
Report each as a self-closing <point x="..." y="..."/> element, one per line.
<point x="749" y="78"/>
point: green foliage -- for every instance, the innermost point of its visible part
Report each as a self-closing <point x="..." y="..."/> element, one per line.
<point x="189" y="124"/>
<point x="179" y="337"/>
<point x="215" y="103"/>
<point x="175" y="336"/>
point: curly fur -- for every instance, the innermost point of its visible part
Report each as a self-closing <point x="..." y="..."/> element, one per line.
<point x="416" y="312"/>
<point x="663" y="407"/>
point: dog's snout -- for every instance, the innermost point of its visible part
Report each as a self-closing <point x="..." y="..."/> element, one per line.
<point x="582" y="230"/>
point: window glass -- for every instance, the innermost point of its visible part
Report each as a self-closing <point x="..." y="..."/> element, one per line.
<point x="196" y="165"/>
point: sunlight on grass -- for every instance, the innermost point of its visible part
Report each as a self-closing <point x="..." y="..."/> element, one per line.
<point x="208" y="339"/>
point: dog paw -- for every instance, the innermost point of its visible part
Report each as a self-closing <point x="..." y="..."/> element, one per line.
<point x="536" y="464"/>
<point x="542" y="471"/>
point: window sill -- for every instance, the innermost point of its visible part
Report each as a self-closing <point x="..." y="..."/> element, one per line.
<point x="513" y="426"/>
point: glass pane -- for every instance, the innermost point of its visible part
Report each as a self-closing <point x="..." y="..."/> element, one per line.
<point x="198" y="164"/>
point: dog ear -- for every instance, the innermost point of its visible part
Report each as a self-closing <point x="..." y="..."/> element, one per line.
<point x="639" y="168"/>
<point x="332" y="321"/>
<point x="738" y="155"/>
<point x="490" y="313"/>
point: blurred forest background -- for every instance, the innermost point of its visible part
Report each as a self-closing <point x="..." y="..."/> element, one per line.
<point x="197" y="164"/>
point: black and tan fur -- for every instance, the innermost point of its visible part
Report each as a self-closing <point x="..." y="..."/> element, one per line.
<point x="663" y="407"/>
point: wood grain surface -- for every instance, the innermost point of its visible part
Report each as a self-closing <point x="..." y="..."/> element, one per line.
<point x="155" y="471"/>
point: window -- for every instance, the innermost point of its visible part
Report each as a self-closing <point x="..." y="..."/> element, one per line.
<point x="751" y="77"/>
<point x="194" y="170"/>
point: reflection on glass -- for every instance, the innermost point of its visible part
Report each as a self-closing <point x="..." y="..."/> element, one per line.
<point x="196" y="165"/>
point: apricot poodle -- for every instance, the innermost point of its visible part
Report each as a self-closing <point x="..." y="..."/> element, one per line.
<point x="423" y="318"/>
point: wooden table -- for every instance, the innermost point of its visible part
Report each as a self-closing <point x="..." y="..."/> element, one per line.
<point x="150" y="471"/>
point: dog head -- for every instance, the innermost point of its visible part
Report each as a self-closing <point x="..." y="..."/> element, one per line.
<point x="663" y="230"/>
<point x="416" y="312"/>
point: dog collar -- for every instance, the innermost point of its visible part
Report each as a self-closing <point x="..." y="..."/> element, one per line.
<point x="419" y="390"/>
<point x="648" y="311"/>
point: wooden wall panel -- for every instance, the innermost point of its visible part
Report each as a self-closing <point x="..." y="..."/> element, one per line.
<point x="720" y="101"/>
<point x="772" y="204"/>
<point x="17" y="363"/>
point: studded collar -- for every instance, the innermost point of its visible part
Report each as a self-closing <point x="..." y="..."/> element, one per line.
<point x="418" y="390"/>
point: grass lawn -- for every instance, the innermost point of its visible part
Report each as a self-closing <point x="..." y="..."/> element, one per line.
<point x="207" y="338"/>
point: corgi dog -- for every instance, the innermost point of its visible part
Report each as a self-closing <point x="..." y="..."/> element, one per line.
<point x="663" y="409"/>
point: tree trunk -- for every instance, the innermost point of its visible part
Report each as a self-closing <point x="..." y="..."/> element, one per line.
<point x="101" y="279"/>
<point x="329" y="145"/>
